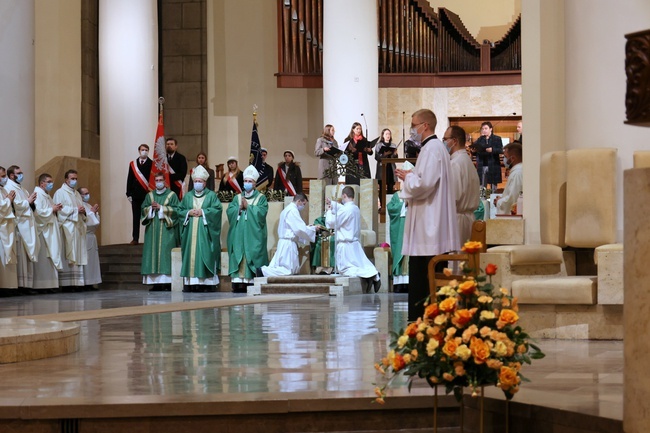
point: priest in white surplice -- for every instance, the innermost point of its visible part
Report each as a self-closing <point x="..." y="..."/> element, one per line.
<point x="292" y="231"/>
<point x="92" y="270"/>
<point x="72" y="218"/>
<point x="8" y="272"/>
<point x="27" y="243"/>
<point x="351" y="261"/>
<point x="46" y="269"/>
<point x="464" y="180"/>
<point x="430" y="227"/>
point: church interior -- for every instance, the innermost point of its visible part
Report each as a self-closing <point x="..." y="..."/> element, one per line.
<point x="81" y="87"/>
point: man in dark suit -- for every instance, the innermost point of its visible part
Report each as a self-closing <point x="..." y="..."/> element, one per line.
<point x="488" y="148"/>
<point x="137" y="187"/>
<point x="177" y="167"/>
<point x="265" y="180"/>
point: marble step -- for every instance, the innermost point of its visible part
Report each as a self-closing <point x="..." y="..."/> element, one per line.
<point x="274" y="289"/>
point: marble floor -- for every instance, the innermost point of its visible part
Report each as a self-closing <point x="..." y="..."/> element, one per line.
<point x="316" y="347"/>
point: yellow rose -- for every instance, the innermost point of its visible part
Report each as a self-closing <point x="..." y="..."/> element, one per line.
<point x="508" y="316"/>
<point x="451" y="332"/>
<point x="407" y="358"/>
<point x="494" y="364"/>
<point x="485" y="331"/>
<point x="500" y="349"/>
<point x="485" y="299"/>
<point x="469" y="332"/>
<point x="453" y="283"/>
<point x="503" y="291"/>
<point x="505" y="302"/>
<point x="446" y="291"/>
<point x="414" y="354"/>
<point x="448" y="305"/>
<point x="432" y="345"/>
<point x="433" y="331"/>
<point x="422" y="326"/>
<point x="402" y="340"/>
<point x="447" y="272"/>
<point x="450" y="347"/>
<point x="487" y="315"/>
<point x="463" y="352"/>
<point x="440" y="319"/>
<point x="420" y="337"/>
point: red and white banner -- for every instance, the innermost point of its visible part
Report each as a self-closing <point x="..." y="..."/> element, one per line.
<point x="286" y="182"/>
<point x="143" y="181"/>
<point x="160" y="164"/>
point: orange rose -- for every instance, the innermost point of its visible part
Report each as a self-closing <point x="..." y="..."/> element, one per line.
<point x="450" y="347"/>
<point x="448" y="305"/>
<point x="398" y="362"/>
<point x="467" y="287"/>
<point x="508" y="316"/>
<point x="480" y="350"/>
<point x="508" y="378"/>
<point x="472" y="247"/>
<point x="462" y="317"/>
<point x="411" y="330"/>
<point x="431" y="311"/>
<point x="491" y="269"/>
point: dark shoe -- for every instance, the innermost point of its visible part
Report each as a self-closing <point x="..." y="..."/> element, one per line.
<point x="188" y="289"/>
<point x="166" y="287"/>
<point x="376" y="284"/>
<point x="133" y="242"/>
<point x="259" y="273"/>
<point x="156" y="288"/>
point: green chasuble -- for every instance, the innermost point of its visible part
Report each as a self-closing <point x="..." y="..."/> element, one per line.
<point x="200" y="242"/>
<point x="160" y="235"/>
<point x="247" y="235"/>
<point x="317" y="247"/>
<point x="394" y="210"/>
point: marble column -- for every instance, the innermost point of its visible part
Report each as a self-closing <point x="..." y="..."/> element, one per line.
<point x="17" y="86"/>
<point x="350" y="59"/>
<point x="128" y="90"/>
<point x="636" y="390"/>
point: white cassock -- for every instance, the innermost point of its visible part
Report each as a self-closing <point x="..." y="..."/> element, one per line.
<point x="292" y="231"/>
<point x="46" y="269"/>
<point x="92" y="271"/>
<point x="467" y="188"/>
<point x="430" y="227"/>
<point x="8" y="260"/>
<point x="514" y="186"/>
<point x="27" y="244"/>
<point x="73" y="235"/>
<point x="351" y="261"/>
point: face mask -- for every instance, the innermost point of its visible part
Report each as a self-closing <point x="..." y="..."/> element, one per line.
<point x="447" y="145"/>
<point x="3" y="181"/>
<point x="144" y="153"/>
<point x="85" y="197"/>
<point x="300" y="207"/>
<point x="416" y="137"/>
<point x="506" y="162"/>
<point x="198" y="186"/>
<point x="19" y="178"/>
<point x="160" y="185"/>
<point x="49" y="186"/>
<point x="72" y="183"/>
<point x="248" y="186"/>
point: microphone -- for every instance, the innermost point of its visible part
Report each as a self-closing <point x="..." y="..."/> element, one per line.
<point x="366" y="122"/>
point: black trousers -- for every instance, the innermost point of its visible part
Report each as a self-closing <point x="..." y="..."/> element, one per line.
<point x="136" y="206"/>
<point x="418" y="285"/>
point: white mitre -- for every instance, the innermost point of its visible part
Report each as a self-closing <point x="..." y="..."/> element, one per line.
<point x="251" y="173"/>
<point x="200" y="173"/>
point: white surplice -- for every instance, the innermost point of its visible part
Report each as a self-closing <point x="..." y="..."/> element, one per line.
<point x="73" y="235"/>
<point x="430" y="227"/>
<point x="351" y="261"/>
<point x="92" y="271"/>
<point x="8" y="260"/>
<point x="514" y="186"/>
<point x="467" y="190"/>
<point x="46" y="275"/>
<point x="292" y="231"/>
<point x="27" y="243"/>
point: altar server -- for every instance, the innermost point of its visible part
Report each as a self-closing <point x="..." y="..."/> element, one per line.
<point x="8" y="260"/>
<point x="92" y="270"/>
<point x="46" y="269"/>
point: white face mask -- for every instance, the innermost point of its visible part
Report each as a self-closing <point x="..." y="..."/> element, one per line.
<point x="300" y="207"/>
<point x="416" y="137"/>
<point x="198" y="186"/>
<point x="160" y="185"/>
<point x="144" y="153"/>
<point x="3" y="181"/>
<point x="85" y="197"/>
<point x="506" y="162"/>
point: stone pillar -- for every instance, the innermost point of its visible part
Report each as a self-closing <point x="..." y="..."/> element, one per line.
<point x="316" y="199"/>
<point x="17" y="86"/>
<point x="636" y="389"/>
<point x="350" y="59"/>
<point x="368" y="205"/>
<point x="128" y="67"/>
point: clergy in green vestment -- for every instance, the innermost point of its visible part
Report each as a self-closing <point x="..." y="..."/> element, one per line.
<point x="200" y="213"/>
<point x="247" y="234"/>
<point x="325" y="239"/>
<point x="396" y="210"/>
<point x="161" y="234"/>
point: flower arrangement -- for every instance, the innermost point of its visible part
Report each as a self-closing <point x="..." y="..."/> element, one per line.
<point x="467" y="336"/>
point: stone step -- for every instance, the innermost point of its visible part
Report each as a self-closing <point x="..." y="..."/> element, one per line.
<point x="273" y="289"/>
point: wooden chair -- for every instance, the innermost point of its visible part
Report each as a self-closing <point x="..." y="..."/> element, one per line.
<point x="478" y="235"/>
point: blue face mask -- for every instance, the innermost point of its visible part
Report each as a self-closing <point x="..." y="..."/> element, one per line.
<point x="506" y="162"/>
<point x="49" y="186"/>
<point x="19" y="178"/>
<point x="446" y="143"/>
<point x="198" y="186"/>
<point x="3" y="181"/>
<point x="72" y="183"/>
<point x="416" y="137"/>
<point x="248" y="186"/>
<point x="85" y="198"/>
<point x="160" y="185"/>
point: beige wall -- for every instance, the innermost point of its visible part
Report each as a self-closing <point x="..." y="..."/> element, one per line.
<point x="58" y="79"/>
<point x="484" y="19"/>
<point x="288" y="118"/>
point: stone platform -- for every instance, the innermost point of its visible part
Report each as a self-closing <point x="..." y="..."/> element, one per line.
<point x="333" y="285"/>
<point x="29" y="339"/>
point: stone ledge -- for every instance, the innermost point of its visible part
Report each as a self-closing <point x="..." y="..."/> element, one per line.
<point x="579" y="290"/>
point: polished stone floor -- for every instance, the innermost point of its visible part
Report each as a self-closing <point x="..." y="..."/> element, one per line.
<point x="308" y="348"/>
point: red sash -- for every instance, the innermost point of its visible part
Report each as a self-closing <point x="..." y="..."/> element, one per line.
<point x="232" y="181"/>
<point x="286" y="182"/>
<point x="144" y="183"/>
